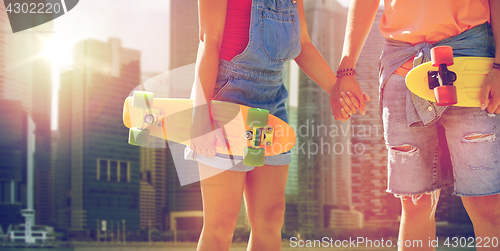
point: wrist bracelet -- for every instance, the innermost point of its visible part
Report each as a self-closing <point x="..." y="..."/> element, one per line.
<point x="346" y="69"/>
<point x="496" y="66"/>
<point x="346" y="72"/>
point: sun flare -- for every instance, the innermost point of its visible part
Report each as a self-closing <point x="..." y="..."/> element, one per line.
<point x="57" y="49"/>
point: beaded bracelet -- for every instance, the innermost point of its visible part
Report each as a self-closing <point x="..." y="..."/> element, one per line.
<point x="346" y="72"/>
<point x="496" y="66"/>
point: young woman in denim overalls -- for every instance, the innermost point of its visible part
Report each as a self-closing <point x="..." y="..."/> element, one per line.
<point x="277" y="33"/>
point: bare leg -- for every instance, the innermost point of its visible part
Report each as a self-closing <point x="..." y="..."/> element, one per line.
<point x="265" y="202"/>
<point x="222" y="194"/>
<point x="418" y="223"/>
<point x="484" y="213"/>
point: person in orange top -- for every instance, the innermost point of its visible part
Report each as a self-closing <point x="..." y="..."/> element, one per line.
<point x="412" y="28"/>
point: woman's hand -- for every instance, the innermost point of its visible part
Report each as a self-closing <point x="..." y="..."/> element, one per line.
<point x="346" y="98"/>
<point x="205" y="133"/>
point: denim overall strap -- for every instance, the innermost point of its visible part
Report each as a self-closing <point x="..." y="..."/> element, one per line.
<point x="476" y="42"/>
<point x="274" y="35"/>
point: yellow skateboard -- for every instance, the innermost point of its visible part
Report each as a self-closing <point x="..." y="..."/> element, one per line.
<point x="450" y="81"/>
<point x="250" y="132"/>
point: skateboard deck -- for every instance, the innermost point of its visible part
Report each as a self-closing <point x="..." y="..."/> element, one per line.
<point x="171" y="119"/>
<point x="470" y="73"/>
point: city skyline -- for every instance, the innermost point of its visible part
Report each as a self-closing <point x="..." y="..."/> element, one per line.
<point x="153" y="42"/>
<point x="322" y="188"/>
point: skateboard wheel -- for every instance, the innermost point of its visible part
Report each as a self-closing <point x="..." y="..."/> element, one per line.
<point x="254" y="157"/>
<point x="257" y="117"/>
<point x="138" y="137"/>
<point x="442" y="55"/>
<point x="143" y="100"/>
<point x="445" y="95"/>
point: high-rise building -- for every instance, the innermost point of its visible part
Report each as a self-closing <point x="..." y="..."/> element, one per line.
<point x="41" y="113"/>
<point x="184" y="32"/>
<point x="155" y="162"/>
<point x="369" y="165"/>
<point x="323" y="149"/>
<point x="147" y="204"/>
<point x="290" y="79"/>
<point x="15" y="105"/>
<point x="25" y="76"/>
<point x="62" y="161"/>
<point x="104" y="168"/>
<point x="17" y="52"/>
<point x="16" y="162"/>
<point x="183" y="49"/>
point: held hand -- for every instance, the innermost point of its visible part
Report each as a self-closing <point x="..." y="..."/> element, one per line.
<point x="490" y="93"/>
<point x="204" y="135"/>
<point x="346" y="98"/>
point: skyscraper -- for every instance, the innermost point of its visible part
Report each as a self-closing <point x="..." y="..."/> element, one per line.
<point x="15" y="105"/>
<point x="183" y="49"/>
<point x="62" y="161"/>
<point x="183" y="32"/>
<point x="41" y="113"/>
<point x="104" y="168"/>
<point x="324" y="160"/>
<point x="290" y="79"/>
<point x="25" y="77"/>
<point x="17" y="53"/>
<point x="16" y="161"/>
<point x="369" y="167"/>
<point x="155" y="163"/>
<point x="147" y="204"/>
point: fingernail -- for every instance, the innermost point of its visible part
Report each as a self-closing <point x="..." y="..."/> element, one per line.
<point x="341" y="99"/>
<point x="342" y="92"/>
<point x="483" y="106"/>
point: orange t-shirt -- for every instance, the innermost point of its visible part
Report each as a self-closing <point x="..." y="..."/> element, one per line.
<point x="417" y="21"/>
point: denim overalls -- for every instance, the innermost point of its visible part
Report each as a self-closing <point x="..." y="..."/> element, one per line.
<point x="254" y="77"/>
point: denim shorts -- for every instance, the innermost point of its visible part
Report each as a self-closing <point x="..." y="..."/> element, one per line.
<point x="256" y="88"/>
<point x="471" y="135"/>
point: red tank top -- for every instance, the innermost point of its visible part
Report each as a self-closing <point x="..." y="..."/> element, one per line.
<point x="236" y="29"/>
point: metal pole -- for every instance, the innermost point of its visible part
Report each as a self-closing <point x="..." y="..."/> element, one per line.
<point x="106" y="232"/>
<point x="124" y="233"/>
<point x="118" y="232"/>
<point x="98" y="231"/>
<point x="112" y="233"/>
<point x="175" y="231"/>
<point x="149" y="232"/>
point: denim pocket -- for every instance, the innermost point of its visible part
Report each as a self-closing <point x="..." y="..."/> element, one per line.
<point x="279" y="34"/>
<point x="220" y="90"/>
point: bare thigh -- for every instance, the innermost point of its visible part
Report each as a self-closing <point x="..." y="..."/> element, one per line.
<point x="265" y="194"/>
<point x="222" y="194"/>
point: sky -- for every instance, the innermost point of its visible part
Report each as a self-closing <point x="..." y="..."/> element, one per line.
<point x="141" y="25"/>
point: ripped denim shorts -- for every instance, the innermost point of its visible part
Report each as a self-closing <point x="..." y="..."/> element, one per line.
<point x="414" y="167"/>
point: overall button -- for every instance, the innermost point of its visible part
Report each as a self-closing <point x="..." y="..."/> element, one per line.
<point x="429" y="108"/>
<point x="294" y="1"/>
